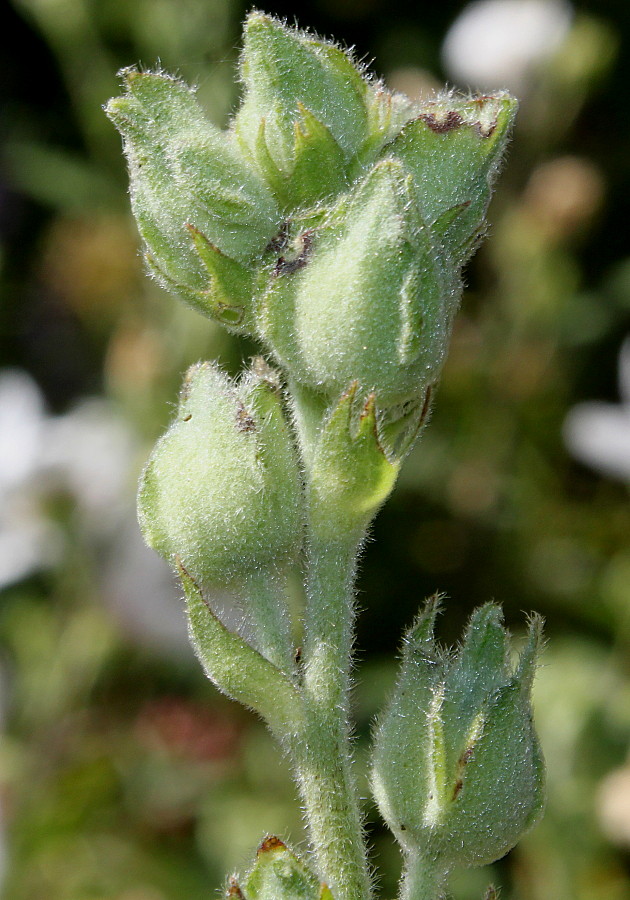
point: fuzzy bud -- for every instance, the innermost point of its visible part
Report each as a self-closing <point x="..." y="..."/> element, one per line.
<point x="221" y="494"/>
<point x="278" y="874"/>
<point x="196" y="201"/>
<point x="457" y="771"/>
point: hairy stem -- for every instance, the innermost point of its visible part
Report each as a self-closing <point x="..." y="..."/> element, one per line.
<point x="421" y="880"/>
<point x="323" y="755"/>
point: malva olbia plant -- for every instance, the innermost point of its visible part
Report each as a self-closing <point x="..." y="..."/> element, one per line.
<point x="330" y="223"/>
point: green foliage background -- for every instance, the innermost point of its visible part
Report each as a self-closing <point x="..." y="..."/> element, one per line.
<point x="122" y="773"/>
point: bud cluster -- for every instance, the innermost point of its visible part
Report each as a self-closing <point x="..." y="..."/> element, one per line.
<point x="330" y="221"/>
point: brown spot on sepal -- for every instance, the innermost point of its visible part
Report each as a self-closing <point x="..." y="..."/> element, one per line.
<point x="271" y="842"/>
<point x="234" y="891"/>
<point x="450" y="122"/>
<point x="453" y="120"/>
<point x="286" y="266"/>
<point x="280" y="241"/>
<point x="426" y="406"/>
<point x="463" y="761"/>
<point x="244" y="421"/>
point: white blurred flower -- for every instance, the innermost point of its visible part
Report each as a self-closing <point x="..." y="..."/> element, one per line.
<point x="598" y="434"/>
<point x="28" y="540"/>
<point x="613" y="806"/>
<point x="500" y="43"/>
<point x="90" y="453"/>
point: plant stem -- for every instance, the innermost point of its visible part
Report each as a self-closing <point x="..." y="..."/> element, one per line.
<point x="323" y="754"/>
<point x="420" y="880"/>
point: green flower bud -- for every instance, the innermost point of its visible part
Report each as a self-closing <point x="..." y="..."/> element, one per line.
<point x="221" y="493"/>
<point x="457" y="771"/>
<point x="367" y="297"/>
<point x="186" y="173"/>
<point x="303" y="97"/>
<point x="278" y="874"/>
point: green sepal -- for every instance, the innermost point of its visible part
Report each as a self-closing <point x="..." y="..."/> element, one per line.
<point x="502" y="790"/>
<point x="454" y="147"/>
<point x="236" y="668"/>
<point x="350" y="477"/>
<point x="388" y="112"/>
<point x="400" y="756"/>
<point x="478" y="670"/>
<point x="229" y="296"/>
<point x="400" y="424"/>
<point x="319" y="166"/>
<point x="282" y="68"/>
<point x="276" y="178"/>
<point x="278" y="874"/>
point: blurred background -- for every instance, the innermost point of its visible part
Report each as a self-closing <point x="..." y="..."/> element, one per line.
<point x="123" y="774"/>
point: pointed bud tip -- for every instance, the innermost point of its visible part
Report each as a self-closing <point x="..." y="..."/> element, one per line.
<point x="423" y="628"/>
<point x="234" y="891"/>
<point x="271" y="844"/>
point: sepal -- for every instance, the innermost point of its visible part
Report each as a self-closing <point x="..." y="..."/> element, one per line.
<point x="319" y="168"/>
<point x="453" y="147"/>
<point x="236" y="668"/>
<point x="350" y="477"/>
<point x="229" y="296"/>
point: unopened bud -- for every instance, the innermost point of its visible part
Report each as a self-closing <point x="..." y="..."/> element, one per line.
<point x="368" y="298"/>
<point x="278" y="874"/>
<point x="221" y="494"/>
<point x="185" y="172"/>
<point x="457" y="772"/>
<point x="302" y="97"/>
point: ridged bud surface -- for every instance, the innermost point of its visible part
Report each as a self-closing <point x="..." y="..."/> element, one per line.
<point x="457" y="770"/>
